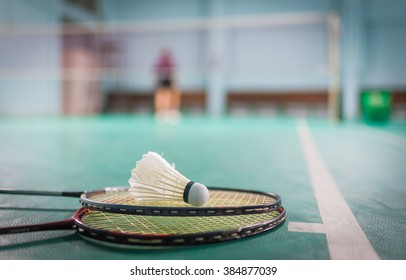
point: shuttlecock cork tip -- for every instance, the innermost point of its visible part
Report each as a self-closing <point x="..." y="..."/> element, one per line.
<point x="196" y="194"/>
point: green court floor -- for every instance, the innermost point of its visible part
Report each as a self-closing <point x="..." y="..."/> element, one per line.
<point x="363" y="165"/>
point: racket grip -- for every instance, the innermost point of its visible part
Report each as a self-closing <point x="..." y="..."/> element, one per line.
<point x="60" y="225"/>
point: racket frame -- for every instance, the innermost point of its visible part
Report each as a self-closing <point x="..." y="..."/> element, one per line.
<point x="86" y="201"/>
<point x="164" y="240"/>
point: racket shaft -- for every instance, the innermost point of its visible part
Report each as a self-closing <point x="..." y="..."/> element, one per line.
<point x="60" y="225"/>
<point x="45" y="193"/>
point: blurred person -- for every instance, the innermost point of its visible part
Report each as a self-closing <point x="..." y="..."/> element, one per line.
<point x="167" y="96"/>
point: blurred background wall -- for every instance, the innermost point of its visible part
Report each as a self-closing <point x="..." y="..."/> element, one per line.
<point x="232" y="56"/>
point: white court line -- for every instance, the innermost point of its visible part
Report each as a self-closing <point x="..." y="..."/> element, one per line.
<point x="383" y="136"/>
<point x="306" y="227"/>
<point x="345" y="238"/>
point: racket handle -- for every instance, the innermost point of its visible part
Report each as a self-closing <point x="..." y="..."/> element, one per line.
<point x="45" y="193"/>
<point x="60" y="225"/>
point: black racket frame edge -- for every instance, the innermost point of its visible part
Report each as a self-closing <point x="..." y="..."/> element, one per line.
<point x="176" y="240"/>
<point x="183" y="211"/>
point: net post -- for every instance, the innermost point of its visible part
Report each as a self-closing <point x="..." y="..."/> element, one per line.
<point x="333" y="23"/>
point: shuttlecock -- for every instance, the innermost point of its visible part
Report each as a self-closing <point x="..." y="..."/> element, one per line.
<point x="153" y="178"/>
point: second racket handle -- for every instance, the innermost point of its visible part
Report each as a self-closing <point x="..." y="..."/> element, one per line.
<point x="60" y="225"/>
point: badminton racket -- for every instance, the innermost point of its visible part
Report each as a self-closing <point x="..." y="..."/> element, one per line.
<point x="132" y="230"/>
<point x="222" y="202"/>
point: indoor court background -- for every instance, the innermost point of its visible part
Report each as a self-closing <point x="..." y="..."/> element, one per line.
<point x="274" y="98"/>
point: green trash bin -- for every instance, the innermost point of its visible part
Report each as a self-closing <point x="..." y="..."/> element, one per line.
<point x="376" y="105"/>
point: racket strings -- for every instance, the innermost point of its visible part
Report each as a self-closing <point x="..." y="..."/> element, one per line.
<point x="217" y="199"/>
<point x="159" y="225"/>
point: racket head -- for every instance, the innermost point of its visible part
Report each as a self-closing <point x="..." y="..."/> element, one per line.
<point x="155" y="231"/>
<point x="222" y="201"/>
